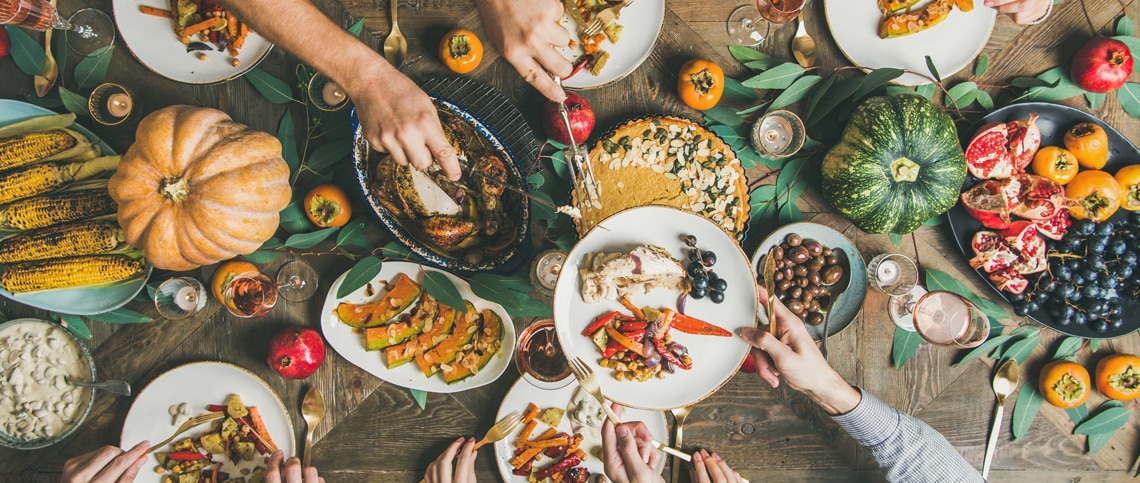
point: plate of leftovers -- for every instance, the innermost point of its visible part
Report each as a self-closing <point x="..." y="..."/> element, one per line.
<point x="615" y="52"/>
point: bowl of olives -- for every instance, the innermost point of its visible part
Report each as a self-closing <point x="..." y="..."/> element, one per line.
<point x="805" y="266"/>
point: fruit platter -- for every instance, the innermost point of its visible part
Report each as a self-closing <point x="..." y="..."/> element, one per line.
<point x="1045" y="231"/>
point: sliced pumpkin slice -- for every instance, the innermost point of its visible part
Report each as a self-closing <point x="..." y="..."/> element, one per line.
<point x="913" y="22"/>
<point x="965" y="5"/>
<point x="444" y="353"/>
<point x="470" y="362"/>
<point x="891" y="6"/>
<point x="440" y="328"/>
<point x="401" y="294"/>
<point x="384" y="336"/>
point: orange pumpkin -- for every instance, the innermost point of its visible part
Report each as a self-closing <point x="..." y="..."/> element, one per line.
<point x="197" y="188"/>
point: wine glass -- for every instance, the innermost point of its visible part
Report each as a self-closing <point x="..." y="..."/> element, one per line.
<point x="250" y="294"/>
<point x="948" y="319"/>
<point x="296" y="281"/>
<point x="743" y="24"/>
<point x="539" y="357"/>
<point x="93" y="28"/>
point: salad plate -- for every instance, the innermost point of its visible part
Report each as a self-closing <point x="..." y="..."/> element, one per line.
<point x="714" y="359"/>
<point x="642" y="24"/>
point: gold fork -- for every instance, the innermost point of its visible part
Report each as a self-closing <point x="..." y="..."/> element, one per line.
<point x="190" y="423"/>
<point x="589" y="382"/>
<point x="501" y="429"/>
<point x="604" y="18"/>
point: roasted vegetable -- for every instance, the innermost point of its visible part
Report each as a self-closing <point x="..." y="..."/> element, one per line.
<point x="67" y="240"/>
<point x="914" y="22"/>
<point x="42" y="178"/>
<point x="53" y="209"/>
<point x="52" y="145"/>
<point x="68" y="272"/>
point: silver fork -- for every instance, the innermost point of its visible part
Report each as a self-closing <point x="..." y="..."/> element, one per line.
<point x="604" y="18"/>
<point x="190" y="423"/>
<point x="589" y="382"/>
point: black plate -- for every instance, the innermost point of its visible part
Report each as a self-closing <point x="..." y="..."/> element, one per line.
<point x="1053" y="121"/>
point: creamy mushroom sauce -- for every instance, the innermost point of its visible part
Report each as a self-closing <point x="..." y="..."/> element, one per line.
<point x="36" y="402"/>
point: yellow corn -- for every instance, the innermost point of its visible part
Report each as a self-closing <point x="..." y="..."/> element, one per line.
<point x="57" y="208"/>
<point x="41" y="178"/>
<point x="67" y="240"/>
<point x="20" y="150"/>
<point x="68" y="272"/>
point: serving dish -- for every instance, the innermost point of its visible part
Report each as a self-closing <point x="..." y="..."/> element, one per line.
<point x="715" y="359"/>
<point x="78" y="301"/>
<point x="516" y="205"/>
<point x="1053" y="120"/>
<point x="84" y="374"/>
<point x="350" y="345"/>
<point x="642" y="24"/>
<point x="199" y="384"/>
<point x="155" y="44"/>
<point x="521" y="394"/>
<point x="851" y="302"/>
<point x="951" y="45"/>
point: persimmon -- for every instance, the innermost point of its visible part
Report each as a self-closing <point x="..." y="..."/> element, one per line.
<point x="1055" y="163"/>
<point x="1118" y="377"/>
<point x="700" y="83"/>
<point x="461" y="51"/>
<point x="1089" y="143"/>
<point x="226" y="272"/>
<point x="327" y="205"/>
<point x="1095" y="194"/>
<point x="1129" y="180"/>
<point x="1064" y="384"/>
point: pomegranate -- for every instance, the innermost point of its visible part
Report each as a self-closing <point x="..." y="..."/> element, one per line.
<point x="1030" y="248"/>
<point x="1055" y="227"/>
<point x="991" y="252"/>
<point x="1010" y="281"/>
<point x="1002" y="149"/>
<point x="581" y="119"/>
<point x="1039" y="198"/>
<point x="749" y="365"/>
<point x="992" y="201"/>
<point x="296" y="352"/>
<point x="1101" y="65"/>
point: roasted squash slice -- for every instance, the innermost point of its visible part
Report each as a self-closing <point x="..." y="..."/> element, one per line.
<point x="438" y="331"/>
<point x="965" y="5"/>
<point x="470" y="362"/>
<point x="444" y="353"/>
<point x="384" y="336"/>
<point x="917" y="21"/>
<point x="891" y="6"/>
<point x="401" y="294"/>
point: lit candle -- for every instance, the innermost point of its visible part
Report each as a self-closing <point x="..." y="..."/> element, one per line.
<point x="887" y="272"/>
<point x="547" y="267"/>
<point x="332" y="94"/>
<point x="119" y="104"/>
<point x="775" y="134"/>
<point x="186" y="298"/>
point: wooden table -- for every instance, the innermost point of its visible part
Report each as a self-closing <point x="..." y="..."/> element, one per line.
<point x="375" y="432"/>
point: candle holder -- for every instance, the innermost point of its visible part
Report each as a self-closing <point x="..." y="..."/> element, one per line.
<point x="325" y="94"/>
<point x="892" y="274"/>
<point x="179" y="297"/>
<point x="110" y="104"/>
<point x="544" y="270"/>
<point x="779" y="134"/>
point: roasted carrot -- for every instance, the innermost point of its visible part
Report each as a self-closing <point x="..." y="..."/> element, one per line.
<point x="201" y="26"/>
<point x="549" y="433"/>
<point x="157" y="12"/>
<point x="231" y="26"/>
<point x="243" y="32"/>
<point x="633" y="308"/>
<point x="524" y="435"/>
<point x="527" y="455"/>
<point x="548" y="443"/>
<point x="531" y="413"/>
<point x="261" y="430"/>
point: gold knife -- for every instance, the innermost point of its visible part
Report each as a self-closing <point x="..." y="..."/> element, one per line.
<point x="770" y="285"/>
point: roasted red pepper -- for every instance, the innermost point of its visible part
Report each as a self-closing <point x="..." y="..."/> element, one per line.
<point x="612" y="347"/>
<point x="563" y="464"/>
<point x="599" y="322"/>
<point x="633" y="308"/>
<point x="633" y="345"/>
<point x="188" y="456"/>
<point x="666" y="323"/>
<point x="691" y="325"/>
<point x="628" y="327"/>
<point x="580" y="64"/>
<point x="669" y="356"/>
<point x="524" y="470"/>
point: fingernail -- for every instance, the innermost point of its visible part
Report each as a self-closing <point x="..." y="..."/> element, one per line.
<point x="747" y="332"/>
<point x="471" y="439"/>
<point x="715" y="456"/>
<point x="697" y="458"/>
<point x="275" y="453"/>
<point x="622" y="431"/>
<point x="460" y="440"/>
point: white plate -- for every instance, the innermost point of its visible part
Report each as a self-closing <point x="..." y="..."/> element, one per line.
<point x="642" y="21"/>
<point x="79" y="301"/>
<point x="715" y="359"/>
<point x="522" y="394"/>
<point x="952" y="44"/>
<point x="350" y="345"/>
<point x="200" y="384"/>
<point x="153" y="42"/>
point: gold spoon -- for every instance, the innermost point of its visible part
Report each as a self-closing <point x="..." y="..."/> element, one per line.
<point x="312" y="410"/>
<point x="1005" y="381"/>
<point x="679" y="415"/>
<point x="46" y="79"/>
<point x="803" y="46"/>
<point x="396" y="45"/>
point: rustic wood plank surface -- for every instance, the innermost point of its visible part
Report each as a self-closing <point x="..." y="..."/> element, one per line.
<point x="374" y="431"/>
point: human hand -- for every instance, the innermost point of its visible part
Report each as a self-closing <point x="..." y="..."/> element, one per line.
<point x="291" y="469"/>
<point x="628" y="452"/>
<point x="793" y="355"/>
<point x="399" y="118"/>
<point x="527" y="32"/>
<point x="711" y="469"/>
<point x="1022" y="11"/>
<point x="441" y="470"/>
<point x="105" y="465"/>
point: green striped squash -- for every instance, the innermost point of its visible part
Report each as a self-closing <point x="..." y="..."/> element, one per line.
<point x="898" y="164"/>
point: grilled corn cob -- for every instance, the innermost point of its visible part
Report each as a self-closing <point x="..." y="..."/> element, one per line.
<point x="68" y="272"/>
<point x="28" y="148"/>
<point x="67" y="240"/>
<point x="57" y="208"/>
<point x="42" y="178"/>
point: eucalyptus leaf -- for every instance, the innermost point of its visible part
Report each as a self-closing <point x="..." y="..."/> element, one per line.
<point x="840" y="92"/>
<point x="982" y="65"/>
<point x="353" y="234"/>
<point x="359" y="275"/>
<point x="789" y="213"/>
<point x="905" y="344"/>
<point x="287" y="134"/>
<point x="1129" y="95"/>
<point x="752" y="109"/>
<point x="395" y="250"/>
<point x="1097" y="441"/>
<point x="1026" y="408"/>
<point x="1095" y="99"/>
<point x="1069" y="347"/>
<point x="120" y="316"/>
<point x="328" y="155"/>
<point x="778" y="77"/>
<point x="935" y="220"/>
<point x="926" y="90"/>
<point x="876" y="79"/>
<point x="723" y="115"/>
<point x="420" y="397"/>
<point x="1063" y="88"/>
<point x="26" y="52"/>
<point x="1124" y="26"/>
<point x="893" y="89"/>
<point x="558" y="163"/>
<point x="963" y="94"/>
<point x="536" y="180"/>
<point x="356" y="28"/>
<point x="985" y="100"/>
<point x="73" y="102"/>
<point x="273" y="89"/>
<point x="262" y="257"/>
<point x="541" y="211"/>
<point x="566" y="241"/>
<point x="748" y="157"/>
<point x="90" y="71"/>
<point x="527" y="306"/>
<point x="736" y="92"/>
<point x="519" y="282"/>
<point x="1078" y="414"/>
<point x="762" y="195"/>
<point x="1094" y="344"/>
<point x="1106" y="421"/>
<point x="310" y="239"/>
<point x="490" y="287"/>
<point x="794" y="93"/>
<point x="736" y="137"/>
<point x="764" y="64"/>
<point x="439" y="286"/>
<point x="817" y="93"/>
<point x="793" y="168"/>
<point x="1021" y="349"/>
<point x="272" y="243"/>
<point x="933" y="70"/>
<point x="939" y="280"/>
<point x="986" y="347"/>
<point x="745" y="55"/>
<point x="75" y="325"/>
<point x="896" y="239"/>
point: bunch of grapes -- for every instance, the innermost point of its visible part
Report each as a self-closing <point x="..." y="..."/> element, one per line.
<point x="705" y="282"/>
<point x="1090" y="271"/>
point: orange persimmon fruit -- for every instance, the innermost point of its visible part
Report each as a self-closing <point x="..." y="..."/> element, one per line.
<point x="1095" y="195"/>
<point x="327" y="205"/>
<point x="1089" y="143"/>
<point x="226" y="272"/>
<point x="1064" y="384"/>
<point x="1129" y="180"/>
<point x="1118" y="377"/>
<point x="461" y="51"/>
<point x="700" y="83"/>
<point x="1055" y="163"/>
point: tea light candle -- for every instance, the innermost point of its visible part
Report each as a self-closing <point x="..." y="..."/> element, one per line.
<point x="546" y="269"/>
<point x="887" y="272"/>
<point x="775" y="134"/>
<point x="332" y="94"/>
<point x="119" y="104"/>
<point x="186" y="298"/>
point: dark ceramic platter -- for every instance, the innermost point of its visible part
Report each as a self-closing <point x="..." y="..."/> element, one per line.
<point x="1053" y="120"/>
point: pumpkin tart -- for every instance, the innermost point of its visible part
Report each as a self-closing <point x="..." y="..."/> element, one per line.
<point x="667" y="161"/>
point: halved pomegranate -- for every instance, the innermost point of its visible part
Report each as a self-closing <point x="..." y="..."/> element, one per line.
<point x="1009" y="280"/>
<point x="992" y="201"/>
<point x="1002" y="149"/>
<point x="1057" y="226"/>
<point x="1022" y="237"/>
<point x="991" y="252"/>
<point x="1039" y="197"/>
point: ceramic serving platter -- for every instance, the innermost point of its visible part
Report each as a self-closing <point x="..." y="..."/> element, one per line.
<point x="642" y="22"/>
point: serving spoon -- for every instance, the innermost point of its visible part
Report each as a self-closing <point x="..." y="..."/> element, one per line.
<point x="1005" y="381"/>
<point x="46" y="79"/>
<point x="836" y="290"/>
<point x="122" y="388"/>
<point x="396" y="45"/>
<point x="803" y="46"/>
<point x="312" y="410"/>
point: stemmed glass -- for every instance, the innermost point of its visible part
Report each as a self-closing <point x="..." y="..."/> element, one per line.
<point x="948" y="319"/>
<point x="744" y="23"/>
<point x="93" y="28"/>
<point x="296" y="281"/>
